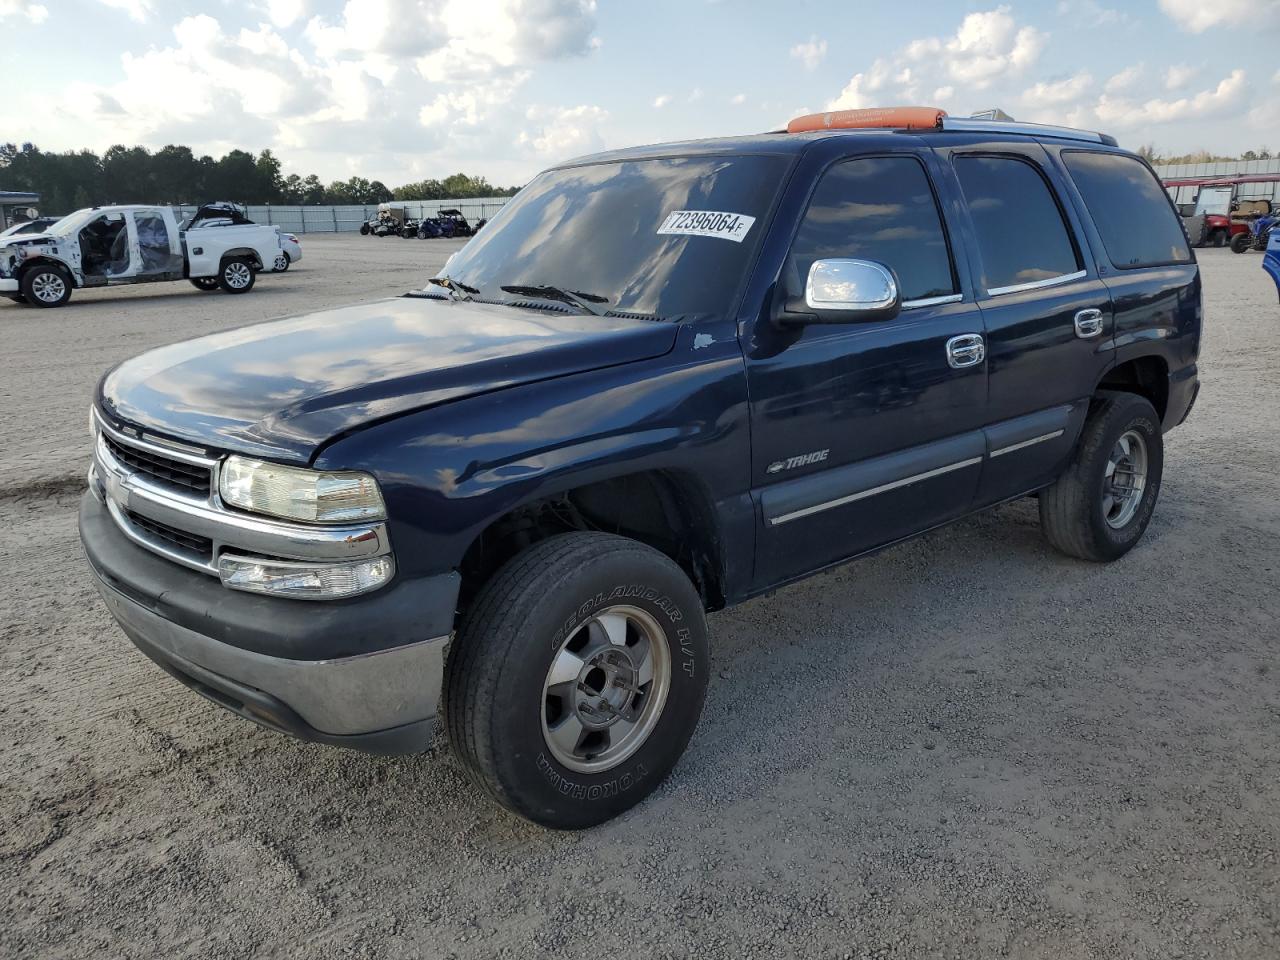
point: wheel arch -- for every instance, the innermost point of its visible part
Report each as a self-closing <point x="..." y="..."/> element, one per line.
<point x="41" y="260"/>
<point x="670" y="510"/>
<point x="1146" y="375"/>
<point x="237" y="252"/>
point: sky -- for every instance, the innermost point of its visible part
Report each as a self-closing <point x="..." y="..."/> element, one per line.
<point x="401" y="90"/>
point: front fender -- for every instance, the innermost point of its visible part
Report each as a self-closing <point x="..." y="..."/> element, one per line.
<point x="450" y="471"/>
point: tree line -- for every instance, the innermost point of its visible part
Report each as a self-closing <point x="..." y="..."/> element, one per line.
<point x="175" y="175"/>
<point x="1152" y="154"/>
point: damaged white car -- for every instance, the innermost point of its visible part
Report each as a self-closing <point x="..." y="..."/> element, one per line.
<point x="106" y="246"/>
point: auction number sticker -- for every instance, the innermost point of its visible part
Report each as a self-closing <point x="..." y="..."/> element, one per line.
<point x="708" y="223"/>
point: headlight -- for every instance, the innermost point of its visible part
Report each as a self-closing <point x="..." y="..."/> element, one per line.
<point x="296" y="494"/>
<point x="304" y="581"/>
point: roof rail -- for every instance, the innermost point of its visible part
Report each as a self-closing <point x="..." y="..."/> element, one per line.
<point x="965" y="125"/>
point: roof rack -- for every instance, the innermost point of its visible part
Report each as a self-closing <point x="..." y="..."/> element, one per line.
<point x="966" y="125"/>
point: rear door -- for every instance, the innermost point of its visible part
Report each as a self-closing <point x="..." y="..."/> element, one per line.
<point x="158" y="252"/>
<point x="864" y="433"/>
<point x="1048" y="315"/>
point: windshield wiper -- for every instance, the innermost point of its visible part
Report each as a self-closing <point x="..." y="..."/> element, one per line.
<point x="575" y="298"/>
<point x="457" y="290"/>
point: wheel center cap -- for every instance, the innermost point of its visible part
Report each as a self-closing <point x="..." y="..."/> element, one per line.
<point x="605" y="688"/>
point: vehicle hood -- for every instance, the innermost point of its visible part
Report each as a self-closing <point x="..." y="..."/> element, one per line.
<point x="281" y="389"/>
<point x="25" y="239"/>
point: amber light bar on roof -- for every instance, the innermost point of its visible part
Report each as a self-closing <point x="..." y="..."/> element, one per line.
<point x="893" y="118"/>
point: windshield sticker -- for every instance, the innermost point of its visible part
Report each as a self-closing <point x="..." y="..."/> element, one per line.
<point x="708" y="223"/>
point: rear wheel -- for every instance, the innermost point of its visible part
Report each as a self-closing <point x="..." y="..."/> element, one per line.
<point x="577" y="678"/>
<point x="1101" y="505"/>
<point x="45" y="285"/>
<point x="364" y="229"/>
<point x="282" y="263"/>
<point x="1218" y="238"/>
<point x="1241" y="242"/>
<point x="237" y="276"/>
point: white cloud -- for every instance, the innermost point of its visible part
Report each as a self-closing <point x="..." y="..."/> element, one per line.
<point x="1122" y="113"/>
<point x="284" y="13"/>
<point x="811" y="54"/>
<point x="1179" y="75"/>
<point x="1053" y="92"/>
<point x="1197" y="16"/>
<point x="33" y="13"/>
<point x="138" y="10"/>
<point x="1093" y="14"/>
<point x="986" y="47"/>
<point x="1125" y="79"/>
<point x="661" y="100"/>
<point x="738" y="99"/>
<point x="695" y="95"/>
<point x="556" y="133"/>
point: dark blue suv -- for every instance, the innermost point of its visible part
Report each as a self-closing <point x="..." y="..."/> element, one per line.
<point x="661" y="381"/>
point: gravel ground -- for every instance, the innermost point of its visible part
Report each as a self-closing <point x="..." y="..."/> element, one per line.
<point x="967" y="746"/>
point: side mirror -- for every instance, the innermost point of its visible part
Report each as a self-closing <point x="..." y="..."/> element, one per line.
<point x="844" y="291"/>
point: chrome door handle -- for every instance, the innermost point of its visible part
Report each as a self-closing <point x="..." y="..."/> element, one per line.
<point x="966" y="350"/>
<point x="1088" y="323"/>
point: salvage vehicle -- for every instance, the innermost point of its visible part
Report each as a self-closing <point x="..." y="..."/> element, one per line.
<point x="388" y="221"/>
<point x="506" y="502"/>
<point x="1218" y="213"/>
<point x="225" y="215"/>
<point x="38" y="225"/>
<point x="1271" y="259"/>
<point x="108" y="246"/>
<point x="1259" y="227"/>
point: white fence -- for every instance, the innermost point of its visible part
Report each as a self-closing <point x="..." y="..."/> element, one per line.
<point x="347" y="219"/>
<point x="1224" y="168"/>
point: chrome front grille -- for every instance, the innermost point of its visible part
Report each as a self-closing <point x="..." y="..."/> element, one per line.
<point x="164" y="497"/>
<point x="164" y="469"/>
<point x="199" y="548"/>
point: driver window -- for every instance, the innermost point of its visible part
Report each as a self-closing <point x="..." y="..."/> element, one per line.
<point x="104" y="246"/>
<point x="882" y="209"/>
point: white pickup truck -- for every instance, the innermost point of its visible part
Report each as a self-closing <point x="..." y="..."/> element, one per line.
<point x="105" y="246"/>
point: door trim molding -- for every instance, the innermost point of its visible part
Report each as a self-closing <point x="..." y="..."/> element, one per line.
<point x="1027" y="443"/>
<point x="863" y="494"/>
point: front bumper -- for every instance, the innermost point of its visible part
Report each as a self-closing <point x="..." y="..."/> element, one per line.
<point x="382" y="701"/>
<point x="9" y="285"/>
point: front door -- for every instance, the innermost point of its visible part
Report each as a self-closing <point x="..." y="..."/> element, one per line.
<point x="106" y="249"/>
<point x="864" y="433"/>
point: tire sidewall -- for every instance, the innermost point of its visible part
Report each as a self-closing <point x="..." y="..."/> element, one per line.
<point x="1131" y="414"/>
<point x="551" y="793"/>
<point x="28" y="281"/>
<point x="226" y="285"/>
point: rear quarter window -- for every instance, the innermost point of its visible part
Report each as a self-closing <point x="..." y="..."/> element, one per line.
<point x="1130" y="209"/>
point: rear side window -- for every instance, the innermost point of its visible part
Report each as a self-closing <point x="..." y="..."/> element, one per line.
<point x="1022" y="236"/>
<point x="1129" y="208"/>
<point x="877" y="208"/>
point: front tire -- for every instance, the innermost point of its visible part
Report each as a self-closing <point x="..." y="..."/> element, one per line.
<point x="237" y="276"/>
<point x="46" y="286"/>
<point x="1241" y="243"/>
<point x="577" y="678"/>
<point x="1101" y="505"/>
<point x="1218" y="238"/>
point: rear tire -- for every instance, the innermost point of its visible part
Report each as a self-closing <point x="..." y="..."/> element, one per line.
<point x="364" y="229"/>
<point x="1100" y="506"/>
<point x="1241" y="243"/>
<point x="237" y="275"/>
<point x="545" y="698"/>
<point x="1218" y="238"/>
<point x="45" y="285"/>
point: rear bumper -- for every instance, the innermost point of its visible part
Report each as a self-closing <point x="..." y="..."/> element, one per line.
<point x="383" y="700"/>
<point x="9" y="285"/>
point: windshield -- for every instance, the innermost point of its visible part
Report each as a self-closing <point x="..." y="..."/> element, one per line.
<point x="1214" y="200"/>
<point x="71" y="222"/>
<point x="668" y="237"/>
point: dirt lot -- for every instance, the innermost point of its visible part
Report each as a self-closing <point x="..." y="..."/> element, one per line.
<point x="967" y="746"/>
